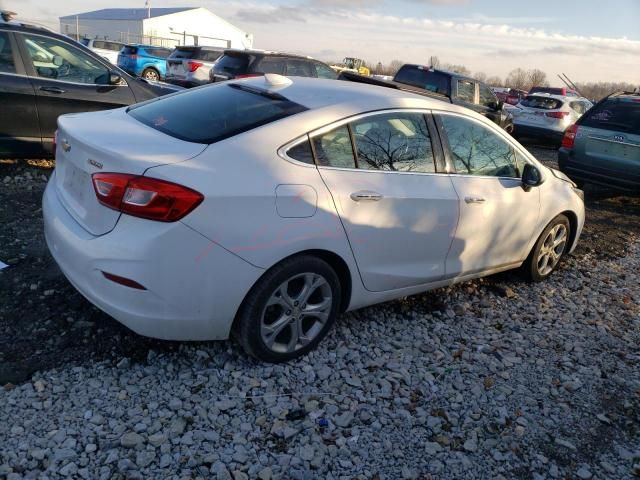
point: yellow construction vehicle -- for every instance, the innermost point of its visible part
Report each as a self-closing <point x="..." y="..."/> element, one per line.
<point x="350" y="64"/>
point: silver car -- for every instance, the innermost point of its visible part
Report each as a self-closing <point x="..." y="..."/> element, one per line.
<point x="189" y="66"/>
<point x="546" y="116"/>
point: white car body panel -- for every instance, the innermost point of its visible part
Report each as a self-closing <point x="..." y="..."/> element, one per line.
<point x="261" y="207"/>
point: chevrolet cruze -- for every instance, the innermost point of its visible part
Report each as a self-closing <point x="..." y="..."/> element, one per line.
<point x="262" y="208"/>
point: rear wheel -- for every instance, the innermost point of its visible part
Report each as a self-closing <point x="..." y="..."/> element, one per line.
<point x="548" y="250"/>
<point x="151" y="74"/>
<point x="289" y="310"/>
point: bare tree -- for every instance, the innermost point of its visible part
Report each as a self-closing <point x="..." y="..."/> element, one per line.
<point x="434" y="61"/>
<point x="494" y="81"/>
<point x="461" y="69"/>
<point x="480" y="76"/>
<point x="394" y="66"/>
<point x="517" y="78"/>
<point x="537" y="78"/>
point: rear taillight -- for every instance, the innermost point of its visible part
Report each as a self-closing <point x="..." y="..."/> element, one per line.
<point x="556" y="114"/>
<point x="248" y="75"/>
<point x="145" y="197"/>
<point x="133" y="57"/>
<point x="569" y="138"/>
<point x="193" y="66"/>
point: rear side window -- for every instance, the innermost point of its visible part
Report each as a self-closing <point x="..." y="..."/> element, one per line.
<point x="158" y="52"/>
<point x="543" y="103"/>
<point x="211" y="114"/>
<point x="620" y="114"/>
<point x="183" y="53"/>
<point x="128" y="50"/>
<point x="421" y="78"/>
<point x="208" y="55"/>
<point x="322" y="71"/>
<point x="99" y="44"/>
<point x="271" y="65"/>
<point x="300" y="68"/>
<point x="301" y="152"/>
<point x="232" y="64"/>
<point x="114" y="46"/>
<point x="6" y="55"/>
<point x="466" y="91"/>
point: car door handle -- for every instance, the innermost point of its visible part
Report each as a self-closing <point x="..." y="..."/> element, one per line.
<point x="365" y="195"/>
<point x="474" y="199"/>
<point x="52" y="89"/>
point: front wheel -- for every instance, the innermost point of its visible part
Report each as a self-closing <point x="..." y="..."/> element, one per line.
<point x="289" y="310"/>
<point x="548" y="250"/>
<point x="151" y="74"/>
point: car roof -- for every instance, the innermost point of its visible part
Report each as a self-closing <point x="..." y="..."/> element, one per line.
<point x="268" y="53"/>
<point x="564" y="98"/>
<point x="200" y="47"/>
<point x="144" y="45"/>
<point x="316" y="93"/>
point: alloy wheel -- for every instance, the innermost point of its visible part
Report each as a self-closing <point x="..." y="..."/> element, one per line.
<point x="151" y="75"/>
<point x="296" y="312"/>
<point x="552" y="249"/>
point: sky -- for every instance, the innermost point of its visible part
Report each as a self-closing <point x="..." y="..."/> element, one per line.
<point x="589" y="40"/>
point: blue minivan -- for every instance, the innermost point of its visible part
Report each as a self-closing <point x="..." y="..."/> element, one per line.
<point x="146" y="61"/>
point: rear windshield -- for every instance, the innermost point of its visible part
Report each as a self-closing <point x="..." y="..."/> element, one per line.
<point x="421" y="78"/>
<point x="183" y="53"/>
<point x="208" y="115"/>
<point x="128" y="50"/>
<point x="543" y="103"/>
<point x="620" y="114"/>
<point x="232" y="64"/>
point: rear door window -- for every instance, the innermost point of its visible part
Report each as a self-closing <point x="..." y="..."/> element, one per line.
<point x="129" y="50"/>
<point x="423" y="78"/>
<point x="543" y="103"/>
<point x="617" y="114"/>
<point x="333" y="148"/>
<point x="466" y="91"/>
<point x="158" y="52"/>
<point x="212" y="114"/>
<point x="7" y="64"/>
<point x="487" y="97"/>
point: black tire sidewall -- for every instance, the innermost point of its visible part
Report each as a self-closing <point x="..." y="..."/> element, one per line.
<point x="532" y="261"/>
<point x="247" y="324"/>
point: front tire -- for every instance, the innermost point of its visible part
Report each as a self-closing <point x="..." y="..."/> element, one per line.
<point x="551" y="246"/>
<point x="289" y="310"/>
<point x="151" y="74"/>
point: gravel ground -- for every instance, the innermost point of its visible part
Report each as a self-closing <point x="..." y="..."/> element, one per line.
<point x="494" y="378"/>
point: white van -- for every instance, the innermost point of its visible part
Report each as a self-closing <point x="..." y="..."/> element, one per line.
<point x="105" y="48"/>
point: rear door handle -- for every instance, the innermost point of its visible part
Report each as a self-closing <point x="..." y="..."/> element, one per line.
<point x="52" y="89"/>
<point x="474" y="199"/>
<point x="365" y="195"/>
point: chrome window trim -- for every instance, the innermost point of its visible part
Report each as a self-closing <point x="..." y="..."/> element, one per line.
<point x="502" y="134"/>
<point x="613" y="141"/>
<point x="63" y="81"/>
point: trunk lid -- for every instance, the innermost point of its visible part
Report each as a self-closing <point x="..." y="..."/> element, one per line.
<point x="108" y="141"/>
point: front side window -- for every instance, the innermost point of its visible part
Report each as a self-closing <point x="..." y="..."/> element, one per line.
<point x="322" y="71"/>
<point x="56" y="60"/>
<point x="7" y="64"/>
<point x="333" y="149"/>
<point x="466" y="91"/>
<point x="487" y="97"/>
<point x="397" y="142"/>
<point x="208" y="115"/>
<point x="477" y="150"/>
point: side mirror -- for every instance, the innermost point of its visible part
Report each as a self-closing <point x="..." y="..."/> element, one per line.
<point x="531" y="177"/>
<point x="115" y="78"/>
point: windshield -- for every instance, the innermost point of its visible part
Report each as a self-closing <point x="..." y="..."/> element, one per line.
<point x="211" y="114"/>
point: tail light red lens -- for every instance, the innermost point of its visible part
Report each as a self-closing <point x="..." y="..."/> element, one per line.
<point x="557" y="114"/>
<point x="145" y="197"/>
<point x="569" y="138"/>
<point x="193" y="66"/>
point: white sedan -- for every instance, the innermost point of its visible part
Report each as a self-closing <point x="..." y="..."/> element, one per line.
<point x="265" y="207"/>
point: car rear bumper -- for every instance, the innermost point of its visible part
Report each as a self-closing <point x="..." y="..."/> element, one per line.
<point x="578" y="171"/>
<point x="537" y="132"/>
<point x="193" y="286"/>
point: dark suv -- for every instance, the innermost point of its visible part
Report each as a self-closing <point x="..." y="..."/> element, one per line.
<point x="251" y="63"/>
<point x="43" y="75"/>
<point x="461" y="90"/>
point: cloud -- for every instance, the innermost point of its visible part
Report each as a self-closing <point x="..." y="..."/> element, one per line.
<point x="272" y="14"/>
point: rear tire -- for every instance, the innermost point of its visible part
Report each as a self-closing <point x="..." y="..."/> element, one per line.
<point x="289" y="310"/>
<point x="151" y="74"/>
<point x="550" y="247"/>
